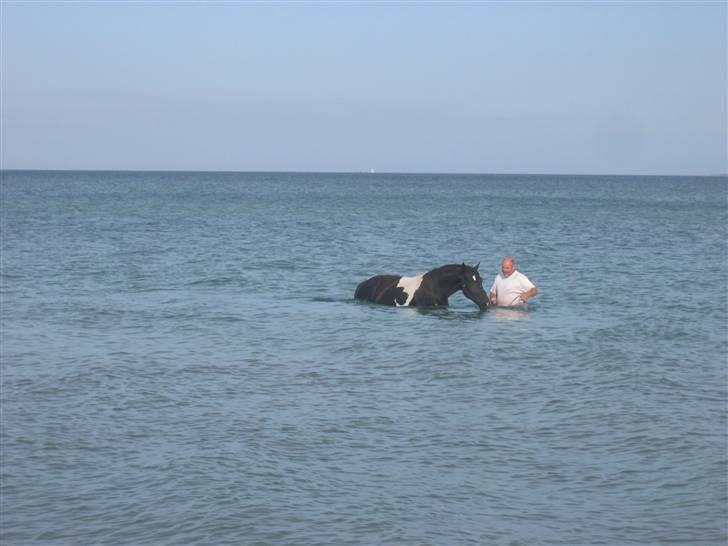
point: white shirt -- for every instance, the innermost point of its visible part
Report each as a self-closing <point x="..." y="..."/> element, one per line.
<point x="508" y="290"/>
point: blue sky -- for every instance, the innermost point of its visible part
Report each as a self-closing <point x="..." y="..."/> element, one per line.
<point x="482" y="87"/>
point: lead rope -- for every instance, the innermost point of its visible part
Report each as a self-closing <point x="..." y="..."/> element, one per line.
<point x="518" y="297"/>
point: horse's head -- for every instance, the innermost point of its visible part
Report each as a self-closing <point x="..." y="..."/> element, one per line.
<point x="473" y="286"/>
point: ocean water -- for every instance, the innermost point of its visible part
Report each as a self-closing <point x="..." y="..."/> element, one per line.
<point x="182" y="361"/>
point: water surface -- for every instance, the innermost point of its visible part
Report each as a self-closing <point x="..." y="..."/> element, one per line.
<point x="182" y="361"/>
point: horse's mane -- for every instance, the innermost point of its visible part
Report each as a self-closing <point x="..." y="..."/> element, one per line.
<point x="450" y="268"/>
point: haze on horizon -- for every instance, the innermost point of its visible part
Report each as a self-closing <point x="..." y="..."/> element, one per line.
<point x="461" y="87"/>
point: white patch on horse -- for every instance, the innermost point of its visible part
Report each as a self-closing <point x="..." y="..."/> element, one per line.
<point x="410" y="286"/>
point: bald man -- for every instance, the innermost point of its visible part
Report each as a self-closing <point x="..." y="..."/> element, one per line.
<point x="511" y="288"/>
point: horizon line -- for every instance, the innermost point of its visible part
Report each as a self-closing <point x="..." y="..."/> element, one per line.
<point x="359" y="172"/>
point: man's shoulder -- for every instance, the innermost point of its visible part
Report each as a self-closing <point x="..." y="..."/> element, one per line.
<point x="522" y="277"/>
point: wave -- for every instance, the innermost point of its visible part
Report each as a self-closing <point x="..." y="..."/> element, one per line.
<point x="215" y="281"/>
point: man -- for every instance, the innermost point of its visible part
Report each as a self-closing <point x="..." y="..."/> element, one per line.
<point x="511" y="287"/>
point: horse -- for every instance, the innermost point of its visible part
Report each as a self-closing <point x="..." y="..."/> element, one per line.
<point x="425" y="289"/>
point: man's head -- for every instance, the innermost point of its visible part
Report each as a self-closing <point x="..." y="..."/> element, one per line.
<point x="508" y="266"/>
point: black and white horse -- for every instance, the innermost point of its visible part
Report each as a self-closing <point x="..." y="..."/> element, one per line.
<point x="431" y="288"/>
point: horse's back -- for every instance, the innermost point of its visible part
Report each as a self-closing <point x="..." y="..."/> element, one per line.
<point x="378" y="289"/>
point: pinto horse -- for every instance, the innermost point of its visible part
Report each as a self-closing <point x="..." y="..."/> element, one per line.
<point x="431" y="288"/>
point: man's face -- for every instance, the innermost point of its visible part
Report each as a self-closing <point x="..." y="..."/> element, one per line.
<point x="508" y="267"/>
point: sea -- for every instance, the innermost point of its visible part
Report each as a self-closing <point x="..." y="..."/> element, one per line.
<point x="182" y="361"/>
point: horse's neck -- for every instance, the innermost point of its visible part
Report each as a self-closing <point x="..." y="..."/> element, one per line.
<point x="448" y="279"/>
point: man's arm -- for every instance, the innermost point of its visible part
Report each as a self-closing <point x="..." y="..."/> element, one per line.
<point x="528" y="294"/>
<point x="493" y="292"/>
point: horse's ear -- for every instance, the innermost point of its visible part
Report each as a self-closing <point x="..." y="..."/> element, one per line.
<point x="477" y="266"/>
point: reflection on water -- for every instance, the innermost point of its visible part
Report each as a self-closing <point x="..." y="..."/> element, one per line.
<point x="505" y="314"/>
<point x="442" y="312"/>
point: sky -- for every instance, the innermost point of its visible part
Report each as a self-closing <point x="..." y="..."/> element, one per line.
<point x="586" y="87"/>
